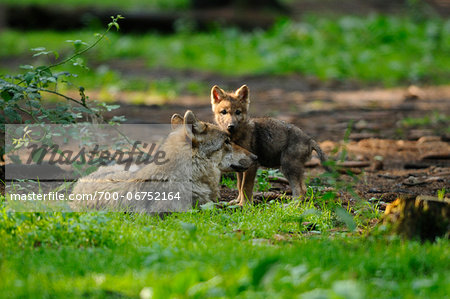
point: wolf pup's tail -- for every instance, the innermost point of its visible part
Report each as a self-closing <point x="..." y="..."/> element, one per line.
<point x="322" y="156"/>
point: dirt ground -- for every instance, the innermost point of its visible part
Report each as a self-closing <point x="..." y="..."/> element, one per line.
<point x="395" y="159"/>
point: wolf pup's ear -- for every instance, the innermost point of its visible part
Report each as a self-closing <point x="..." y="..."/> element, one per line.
<point x="217" y="95"/>
<point x="242" y="94"/>
<point x="197" y="126"/>
<point x="176" y="121"/>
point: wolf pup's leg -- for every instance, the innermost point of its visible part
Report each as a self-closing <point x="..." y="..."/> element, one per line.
<point x="293" y="169"/>
<point x="246" y="186"/>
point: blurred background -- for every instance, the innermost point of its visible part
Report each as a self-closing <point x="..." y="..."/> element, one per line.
<point x="302" y="59"/>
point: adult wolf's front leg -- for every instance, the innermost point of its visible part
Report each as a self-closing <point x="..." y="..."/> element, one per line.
<point x="239" y="180"/>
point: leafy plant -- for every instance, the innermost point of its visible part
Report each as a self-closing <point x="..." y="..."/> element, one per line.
<point x="441" y="193"/>
<point x="229" y="180"/>
<point x="22" y="95"/>
<point x="433" y="118"/>
<point x="263" y="177"/>
<point x="378" y="49"/>
<point x="260" y="251"/>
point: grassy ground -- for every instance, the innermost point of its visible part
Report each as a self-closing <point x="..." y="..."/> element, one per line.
<point x="377" y="50"/>
<point x="275" y="250"/>
<point x="318" y="248"/>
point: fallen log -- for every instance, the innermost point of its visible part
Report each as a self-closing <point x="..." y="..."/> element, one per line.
<point x="347" y="170"/>
<point x="27" y="17"/>
<point x="353" y="164"/>
<point x="280" y="180"/>
<point x="435" y="156"/>
<point x="423" y="217"/>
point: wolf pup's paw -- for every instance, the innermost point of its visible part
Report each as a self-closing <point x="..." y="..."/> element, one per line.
<point x="234" y="202"/>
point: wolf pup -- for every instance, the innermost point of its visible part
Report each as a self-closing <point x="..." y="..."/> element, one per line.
<point x="276" y="143"/>
<point x="196" y="150"/>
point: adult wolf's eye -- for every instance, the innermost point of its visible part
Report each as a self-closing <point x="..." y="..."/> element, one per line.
<point x="228" y="141"/>
<point x="223" y="112"/>
<point x="238" y="112"/>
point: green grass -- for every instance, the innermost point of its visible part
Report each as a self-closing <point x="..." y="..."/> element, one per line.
<point x="436" y="121"/>
<point x="134" y="89"/>
<point x="258" y="252"/>
<point x="378" y="50"/>
<point x="434" y="118"/>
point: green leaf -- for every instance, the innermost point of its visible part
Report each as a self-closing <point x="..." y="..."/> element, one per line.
<point x="90" y="169"/>
<point x="208" y="206"/>
<point x="82" y="109"/>
<point x="35" y="104"/>
<point x="38" y="49"/>
<point x="33" y="96"/>
<point x="29" y="77"/>
<point x="345" y="217"/>
<point x="112" y="107"/>
<point x="262" y="268"/>
<point x="27" y="67"/>
<point x="42" y="53"/>
<point x="12" y="114"/>
<point x="44" y="71"/>
<point x="120" y="118"/>
<point x="6" y="95"/>
<point x="15" y="159"/>
<point x="37" y="155"/>
<point x="329" y="196"/>
<point x="190" y="228"/>
<point x="79" y="42"/>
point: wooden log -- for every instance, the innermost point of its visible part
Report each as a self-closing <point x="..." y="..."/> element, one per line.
<point x="435" y="156"/>
<point x="259" y="196"/>
<point x="423" y="217"/>
<point x="280" y="180"/>
<point x="27" y="17"/>
<point x="346" y="170"/>
<point x="353" y="164"/>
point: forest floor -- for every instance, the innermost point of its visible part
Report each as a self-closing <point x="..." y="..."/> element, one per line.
<point x="399" y="136"/>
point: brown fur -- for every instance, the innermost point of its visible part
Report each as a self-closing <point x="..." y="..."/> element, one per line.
<point x="275" y="142"/>
<point x="199" y="165"/>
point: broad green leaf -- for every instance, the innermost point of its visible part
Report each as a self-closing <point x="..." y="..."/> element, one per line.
<point x="27" y="67"/>
<point x="6" y="95"/>
<point x="345" y="217"/>
<point x="38" y="49"/>
<point x="29" y="77"/>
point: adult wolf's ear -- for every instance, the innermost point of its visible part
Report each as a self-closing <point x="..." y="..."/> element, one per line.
<point x="176" y="121"/>
<point x="217" y="95"/>
<point x="197" y="126"/>
<point x="242" y="94"/>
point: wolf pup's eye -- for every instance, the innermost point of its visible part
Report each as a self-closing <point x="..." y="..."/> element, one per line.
<point x="238" y="112"/>
<point x="223" y="112"/>
<point x="227" y="141"/>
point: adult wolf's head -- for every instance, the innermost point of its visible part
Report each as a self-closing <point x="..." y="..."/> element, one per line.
<point x="230" y="108"/>
<point x="211" y="144"/>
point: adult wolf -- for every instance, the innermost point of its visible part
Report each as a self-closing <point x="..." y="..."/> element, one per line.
<point x="197" y="152"/>
<point x="276" y="143"/>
